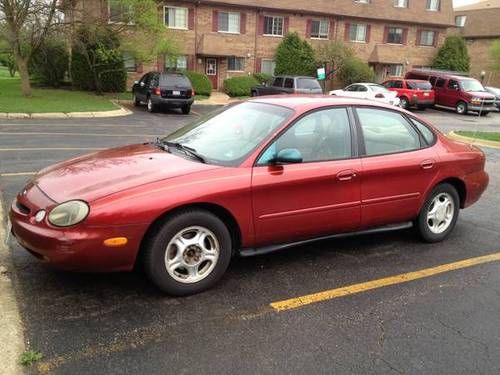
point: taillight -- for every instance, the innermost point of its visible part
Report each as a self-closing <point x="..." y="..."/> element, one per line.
<point x="380" y="96"/>
<point x="157" y="91"/>
<point x="193" y="93"/>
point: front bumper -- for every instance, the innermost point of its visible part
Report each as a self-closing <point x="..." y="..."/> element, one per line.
<point x="77" y="248"/>
<point x="478" y="107"/>
<point x="423" y="103"/>
<point x="171" y="102"/>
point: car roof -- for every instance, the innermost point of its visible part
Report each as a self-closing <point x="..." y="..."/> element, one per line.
<point x="288" y="76"/>
<point x="302" y="103"/>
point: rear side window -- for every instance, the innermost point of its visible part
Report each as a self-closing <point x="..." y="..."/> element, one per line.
<point x="398" y="85"/>
<point x="307" y="83"/>
<point x="425" y="131"/>
<point x="386" y="132"/>
<point x="174" y="80"/>
<point x="419" y="85"/>
<point x="289" y="83"/>
<point x="440" y="82"/>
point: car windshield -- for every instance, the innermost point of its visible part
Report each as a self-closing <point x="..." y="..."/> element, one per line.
<point x="227" y="137"/>
<point x="377" y="88"/>
<point x="419" y="85"/>
<point x="471" y="85"/>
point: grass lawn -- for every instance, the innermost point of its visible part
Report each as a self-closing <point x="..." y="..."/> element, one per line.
<point x="489" y="136"/>
<point x="48" y="100"/>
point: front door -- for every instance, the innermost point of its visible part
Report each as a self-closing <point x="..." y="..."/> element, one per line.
<point x="211" y="70"/>
<point x="320" y="195"/>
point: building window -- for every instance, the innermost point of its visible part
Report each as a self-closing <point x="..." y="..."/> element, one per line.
<point x="129" y="62"/>
<point x="357" y="33"/>
<point x="229" y="22"/>
<point x="176" y="18"/>
<point x="401" y="3"/>
<point x="460" y="21"/>
<point x="362" y="1"/>
<point x="179" y="62"/>
<point x="273" y="25"/>
<point x="394" y="70"/>
<point x="427" y="37"/>
<point x="434" y="5"/>
<point x="395" y="35"/>
<point x="119" y="12"/>
<point x="268" y="66"/>
<point x="235" y="64"/>
<point x="320" y="29"/>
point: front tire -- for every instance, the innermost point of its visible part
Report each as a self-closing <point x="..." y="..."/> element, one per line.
<point x="136" y="101"/>
<point x="461" y="108"/>
<point x="188" y="253"/>
<point x="186" y="109"/>
<point x="404" y="103"/>
<point x="439" y="214"/>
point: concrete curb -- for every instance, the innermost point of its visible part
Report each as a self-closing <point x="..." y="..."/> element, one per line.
<point x="11" y="329"/>
<point x="474" y="141"/>
<point x="55" y="115"/>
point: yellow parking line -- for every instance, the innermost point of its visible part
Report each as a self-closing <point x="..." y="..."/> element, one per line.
<point x="50" y="149"/>
<point x="297" y="302"/>
<point x="16" y="174"/>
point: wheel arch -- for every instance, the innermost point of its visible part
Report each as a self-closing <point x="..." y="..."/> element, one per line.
<point x="459" y="185"/>
<point x="221" y="212"/>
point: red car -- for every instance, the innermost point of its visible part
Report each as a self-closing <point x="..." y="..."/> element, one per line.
<point x="258" y="176"/>
<point x="412" y="92"/>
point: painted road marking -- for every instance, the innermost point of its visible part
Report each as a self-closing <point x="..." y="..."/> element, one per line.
<point x="50" y="149"/>
<point x="81" y="134"/>
<point x="16" y="174"/>
<point x="297" y="302"/>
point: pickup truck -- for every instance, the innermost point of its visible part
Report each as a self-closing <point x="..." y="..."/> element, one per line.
<point x="288" y="85"/>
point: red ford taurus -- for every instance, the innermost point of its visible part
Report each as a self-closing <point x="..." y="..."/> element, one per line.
<point x="254" y="177"/>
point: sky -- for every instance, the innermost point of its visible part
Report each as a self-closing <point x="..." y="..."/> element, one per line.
<point x="459" y="3"/>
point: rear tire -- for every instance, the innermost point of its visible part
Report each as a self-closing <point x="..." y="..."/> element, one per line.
<point x="151" y="106"/>
<point x="186" y="109"/>
<point x="253" y="93"/>
<point x="461" y="108"/>
<point x="188" y="253"/>
<point x="439" y="214"/>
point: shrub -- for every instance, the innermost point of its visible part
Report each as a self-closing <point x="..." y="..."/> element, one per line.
<point x="50" y="62"/>
<point x="263" y="77"/>
<point x="239" y="86"/>
<point x="295" y="56"/>
<point x="355" y="70"/>
<point x="97" y="62"/>
<point x="8" y="60"/>
<point x="201" y="83"/>
<point x="453" y="55"/>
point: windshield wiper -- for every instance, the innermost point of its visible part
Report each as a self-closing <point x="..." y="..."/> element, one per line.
<point x="188" y="150"/>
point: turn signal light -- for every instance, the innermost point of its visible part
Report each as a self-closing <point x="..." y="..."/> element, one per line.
<point x="115" y="241"/>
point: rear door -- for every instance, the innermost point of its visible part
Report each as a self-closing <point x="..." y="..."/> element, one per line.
<point x="289" y="85"/>
<point x="142" y="87"/>
<point x="397" y="167"/>
<point x="440" y="91"/>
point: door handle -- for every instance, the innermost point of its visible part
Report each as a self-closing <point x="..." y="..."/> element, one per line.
<point x="346" y="175"/>
<point x="427" y="164"/>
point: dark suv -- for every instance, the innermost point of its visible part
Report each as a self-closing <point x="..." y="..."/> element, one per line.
<point x="289" y="85"/>
<point x="170" y="89"/>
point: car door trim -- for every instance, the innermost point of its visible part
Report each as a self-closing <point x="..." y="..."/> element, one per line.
<point x="391" y="198"/>
<point x="310" y="209"/>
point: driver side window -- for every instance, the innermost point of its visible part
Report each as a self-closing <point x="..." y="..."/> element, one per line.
<point x="319" y="136"/>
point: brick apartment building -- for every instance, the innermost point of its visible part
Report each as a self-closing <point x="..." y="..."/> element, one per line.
<point x="479" y="24"/>
<point x="225" y="38"/>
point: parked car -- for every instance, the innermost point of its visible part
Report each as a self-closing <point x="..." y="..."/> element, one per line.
<point x="288" y="85"/>
<point x="494" y="91"/>
<point x="169" y="89"/>
<point x="411" y="92"/>
<point x="459" y="92"/>
<point x="254" y="177"/>
<point x="370" y="91"/>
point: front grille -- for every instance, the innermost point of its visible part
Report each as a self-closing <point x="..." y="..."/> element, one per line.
<point x="488" y="102"/>
<point x="22" y="208"/>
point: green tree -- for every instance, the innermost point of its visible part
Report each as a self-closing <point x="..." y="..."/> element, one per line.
<point x="355" y="70"/>
<point x="453" y="55"/>
<point x="335" y="53"/>
<point x="295" y="56"/>
<point x="495" y="55"/>
<point x="49" y="64"/>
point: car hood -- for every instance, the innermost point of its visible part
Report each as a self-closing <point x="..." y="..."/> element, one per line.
<point x="96" y="175"/>
<point x="481" y="94"/>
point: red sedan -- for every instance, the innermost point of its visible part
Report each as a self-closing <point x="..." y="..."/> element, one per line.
<point x="254" y="177"/>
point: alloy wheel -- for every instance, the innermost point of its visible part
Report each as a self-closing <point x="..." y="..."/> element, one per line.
<point x="440" y="213"/>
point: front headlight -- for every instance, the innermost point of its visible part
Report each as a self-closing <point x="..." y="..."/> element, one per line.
<point x="476" y="100"/>
<point x="68" y="213"/>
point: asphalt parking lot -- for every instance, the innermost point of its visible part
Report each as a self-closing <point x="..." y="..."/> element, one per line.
<point x="442" y="322"/>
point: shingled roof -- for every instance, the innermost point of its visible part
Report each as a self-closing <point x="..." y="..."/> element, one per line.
<point x="483" y="19"/>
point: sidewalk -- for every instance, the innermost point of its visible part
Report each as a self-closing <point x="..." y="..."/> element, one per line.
<point x="217" y="98"/>
<point x="49" y="115"/>
<point x="11" y="331"/>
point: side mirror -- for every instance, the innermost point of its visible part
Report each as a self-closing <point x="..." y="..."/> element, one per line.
<point x="288" y="156"/>
<point x="136" y="82"/>
<point x="143" y="84"/>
